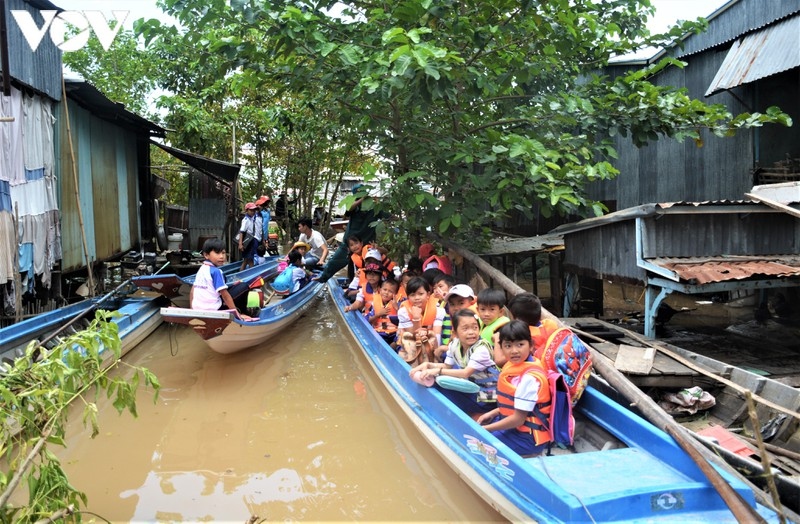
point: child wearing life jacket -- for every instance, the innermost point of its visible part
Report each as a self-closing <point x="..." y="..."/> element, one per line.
<point x="419" y="322"/>
<point x="441" y="285"/>
<point x="383" y="313"/>
<point x="373" y="274"/>
<point x="293" y="277"/>
<point x="469" y="357"/>
<point x="523" y="396"/>
<point x="528" y="308"/>
<point x="459" y="297"/>
<point x="491" y="303"/>
<point x="302" y="247"/>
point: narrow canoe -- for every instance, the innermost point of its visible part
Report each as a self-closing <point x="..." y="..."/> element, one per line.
<point x="177" y="288"/>
<point x="139" y="316"/>
<point x="224" y="333"/>
<point x="623" y="468"/>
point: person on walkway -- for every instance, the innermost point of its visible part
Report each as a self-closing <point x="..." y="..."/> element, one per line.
<point x="319" y="246"/>
<point x="360" y="225"/>
<point x="249" y="234"/>
<point x="263" y="210"/>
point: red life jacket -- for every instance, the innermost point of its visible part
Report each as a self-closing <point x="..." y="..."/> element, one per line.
<point x="442" y="262"/>
<point x="537" y="422"/>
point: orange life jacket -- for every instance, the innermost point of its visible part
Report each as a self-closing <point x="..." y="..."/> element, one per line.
<point x="383" y="324"/>
<point x="537" y="421"/>
<point x="368" y="295"/>
<point x="540" y="334"/>
<point x="428" y="314"/>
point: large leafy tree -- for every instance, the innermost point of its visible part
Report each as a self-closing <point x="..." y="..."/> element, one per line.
<point x="475" y="108"/>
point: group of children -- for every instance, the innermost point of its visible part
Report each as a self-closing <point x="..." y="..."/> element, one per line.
<point x="443" y="329"/>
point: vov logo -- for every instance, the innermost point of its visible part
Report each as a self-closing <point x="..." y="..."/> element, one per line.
<point x="84" y="21"/>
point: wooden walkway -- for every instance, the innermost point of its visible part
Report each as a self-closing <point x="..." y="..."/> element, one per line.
<point x="666" y="372"/>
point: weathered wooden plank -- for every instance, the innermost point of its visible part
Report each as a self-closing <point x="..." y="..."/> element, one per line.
<point x="634" y="360"/>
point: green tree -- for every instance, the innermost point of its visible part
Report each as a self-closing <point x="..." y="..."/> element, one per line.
<point x="36" y="390"/>
<point x="474" y="108"/>
<point x="125" y="73"/>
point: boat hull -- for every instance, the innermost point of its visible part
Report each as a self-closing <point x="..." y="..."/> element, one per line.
<point x="648" y="478"/>
<point x="224" y="333"/>
<point x="139" y="316"/>
<point x="177" y="288"/>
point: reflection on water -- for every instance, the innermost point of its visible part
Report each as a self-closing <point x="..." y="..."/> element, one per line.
<point x="296" y="429"/>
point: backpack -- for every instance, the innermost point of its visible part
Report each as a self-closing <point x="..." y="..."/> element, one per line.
<point x="567" y="355"/>
<point x="282" y="285"/>
<point x="561" y="422"/>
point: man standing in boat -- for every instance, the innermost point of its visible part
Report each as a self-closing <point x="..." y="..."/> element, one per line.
<point x="360" y="225"/>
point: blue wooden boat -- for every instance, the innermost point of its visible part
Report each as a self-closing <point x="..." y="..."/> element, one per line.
<point x="176" y="288"/>
<point x="139" y="316"/>
<point x="623" y="469"/>
<point x="223" y="332"/>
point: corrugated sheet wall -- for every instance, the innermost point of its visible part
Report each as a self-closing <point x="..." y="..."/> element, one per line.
<point x="105" y="156"/>
<point x="40" y="70"/>
<point x="610" y="251"/>
<point x="208" y="209"/>
<point x="743" y="16"/>
<point x="720" y="169"/>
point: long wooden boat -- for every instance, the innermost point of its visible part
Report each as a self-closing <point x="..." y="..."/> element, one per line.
<point x="177" y="288"/>
<point x="623" y="468"/>
<point x="728" y="427"/>
<point x="139" y="315"/>
<point x="223" y="332"/>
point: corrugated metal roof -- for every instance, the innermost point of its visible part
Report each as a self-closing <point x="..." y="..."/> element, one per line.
<point x="758" y="55"/>
<point x="705" y="270"/>
<point x="647" y="210"/>
<point x="508" y="245"/>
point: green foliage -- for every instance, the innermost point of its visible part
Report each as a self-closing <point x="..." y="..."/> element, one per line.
<point x="472" y="110"/>
<point x="125" y="73"/>
<point x="36" y="391"/>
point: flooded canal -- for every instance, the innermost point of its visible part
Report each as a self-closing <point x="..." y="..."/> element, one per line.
<point x="297" y="429"/>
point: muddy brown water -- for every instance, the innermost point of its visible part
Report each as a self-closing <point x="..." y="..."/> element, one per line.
<point x="298" y="429"/>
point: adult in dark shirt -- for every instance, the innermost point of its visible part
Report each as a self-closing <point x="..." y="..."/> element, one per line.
<point x="360" y="225"/>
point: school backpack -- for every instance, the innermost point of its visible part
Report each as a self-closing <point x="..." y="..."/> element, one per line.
<point x="561" y="423"/>
<point x="282" y="285"/>
<point x="567" y="355"/>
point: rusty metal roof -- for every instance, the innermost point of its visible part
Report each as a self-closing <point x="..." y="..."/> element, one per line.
<point x="722" y="269"/>
<point x="757" y="55"/>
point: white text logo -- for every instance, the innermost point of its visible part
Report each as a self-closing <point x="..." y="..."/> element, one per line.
<point x="84" y="21"/>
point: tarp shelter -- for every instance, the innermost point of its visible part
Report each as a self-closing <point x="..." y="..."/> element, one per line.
<point x="213" y="208"/>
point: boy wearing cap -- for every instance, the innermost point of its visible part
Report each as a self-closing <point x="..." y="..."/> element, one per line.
<point x="318" y="251"/>
<point x="249" y="234"/>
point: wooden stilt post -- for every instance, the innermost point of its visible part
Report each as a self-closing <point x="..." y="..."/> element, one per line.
<point x="77" y="189"/>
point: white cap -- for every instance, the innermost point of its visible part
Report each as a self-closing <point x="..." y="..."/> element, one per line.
<point x="461" y="290"/>
<point x="374" y="253"/>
